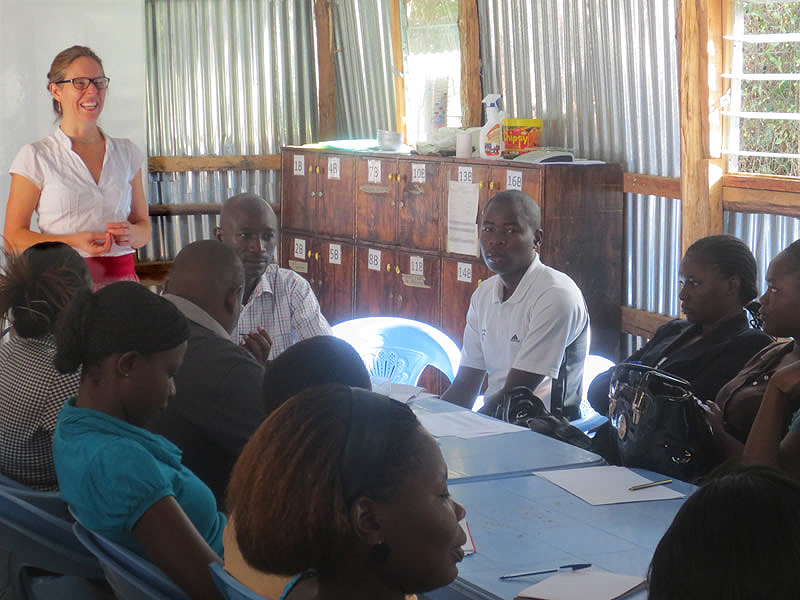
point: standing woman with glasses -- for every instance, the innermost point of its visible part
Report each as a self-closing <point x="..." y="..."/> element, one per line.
<point x="85" y="186"/>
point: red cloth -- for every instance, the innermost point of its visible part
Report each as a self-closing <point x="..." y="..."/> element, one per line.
<point x="108" y="269"/>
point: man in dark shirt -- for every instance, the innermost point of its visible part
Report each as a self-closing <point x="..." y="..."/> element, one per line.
<point x="218" y="404"/>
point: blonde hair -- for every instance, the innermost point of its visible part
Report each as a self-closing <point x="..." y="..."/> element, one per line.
<point x="61" y="63"/>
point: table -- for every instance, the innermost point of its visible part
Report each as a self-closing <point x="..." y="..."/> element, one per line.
<point x="502" y="455"/>
<point x="528" y="523"/>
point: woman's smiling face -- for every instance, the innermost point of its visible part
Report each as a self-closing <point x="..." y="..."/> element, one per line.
<point x="84" y="105"/>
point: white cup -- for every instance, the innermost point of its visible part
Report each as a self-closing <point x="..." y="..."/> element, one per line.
<point x="463" y="144"/>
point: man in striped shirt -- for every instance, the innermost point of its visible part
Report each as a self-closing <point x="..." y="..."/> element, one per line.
<point x="279" y="306"/>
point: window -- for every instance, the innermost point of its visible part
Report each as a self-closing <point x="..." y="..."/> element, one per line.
<point x="432" y="68"/>
<point x="763" y="115"/>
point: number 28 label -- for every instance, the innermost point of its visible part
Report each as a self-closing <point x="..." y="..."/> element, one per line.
<point x="299" y="248"/>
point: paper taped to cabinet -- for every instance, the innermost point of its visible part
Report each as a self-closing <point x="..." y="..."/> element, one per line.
<point x="462" y="215"/>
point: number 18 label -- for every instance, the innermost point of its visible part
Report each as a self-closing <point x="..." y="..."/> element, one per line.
<point x="299" y="164"/>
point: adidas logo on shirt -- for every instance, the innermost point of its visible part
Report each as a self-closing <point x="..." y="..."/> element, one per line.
<point x="514" y="338"/>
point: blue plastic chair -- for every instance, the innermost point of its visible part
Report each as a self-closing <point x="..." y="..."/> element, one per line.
<point x="231" y="588"/>
<point x="400" y="349"/>
<point x="49" y="502"/>
<point x="37" y="541"/>
<point x="131" y="576"/>
<point x="591" y="419"/>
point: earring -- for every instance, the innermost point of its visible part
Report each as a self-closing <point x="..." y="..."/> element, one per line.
<point x="379" y="553"/>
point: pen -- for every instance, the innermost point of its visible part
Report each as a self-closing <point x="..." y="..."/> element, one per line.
<point x="575" y="567"/>
<point x="643" y="486"/>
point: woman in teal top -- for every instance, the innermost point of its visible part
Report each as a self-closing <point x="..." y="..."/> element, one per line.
<point x="120" y="479"/>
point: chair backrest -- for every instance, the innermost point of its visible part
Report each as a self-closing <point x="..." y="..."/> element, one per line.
<point x="49" y="502"/>
<point x="231" y="588"/>
<point x="400" y="348"/>
<point x="37" y="538"/>
<point x="130" y="576"/>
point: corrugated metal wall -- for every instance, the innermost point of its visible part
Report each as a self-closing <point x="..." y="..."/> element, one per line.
<point x="603" y="75"/>
<point x="365" y="99"/>
<point x="224" y="78"/>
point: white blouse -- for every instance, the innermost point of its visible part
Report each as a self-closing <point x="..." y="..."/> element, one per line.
<point x="70" y="200"/>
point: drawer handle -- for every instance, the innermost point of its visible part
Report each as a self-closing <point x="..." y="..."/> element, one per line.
<point x="374" y="189"/>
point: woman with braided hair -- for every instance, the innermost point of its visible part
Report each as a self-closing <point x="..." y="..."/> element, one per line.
<point x="35" y="287"/>
<point x="118" y="478"/>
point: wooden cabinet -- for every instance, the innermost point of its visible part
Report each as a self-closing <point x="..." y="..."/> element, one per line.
<point x="318" y="190"/>
<point x="328" y="265"/>
<point x="399" y="283"/>
<point x="397" y="206"/>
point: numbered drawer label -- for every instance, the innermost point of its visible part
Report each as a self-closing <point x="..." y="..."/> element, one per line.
<point x="334" y="167"/>
<point x="299" y="164"/>
<point x="418" y="173"/>
<point x="417" y="266"/>
<point x="514" y="180"/>
<point x="335" y="254"/>
<point x="465" y="174"/>
<point x="374" y="260"/>
<point x="374" y="171"/>
<point x="465" y="272"/>
<point x="299" y="248"/>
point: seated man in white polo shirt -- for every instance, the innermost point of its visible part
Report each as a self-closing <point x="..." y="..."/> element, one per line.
<point x="528" y="324"/>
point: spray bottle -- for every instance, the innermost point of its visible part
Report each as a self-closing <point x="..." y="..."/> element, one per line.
<point x="491" y="138"/>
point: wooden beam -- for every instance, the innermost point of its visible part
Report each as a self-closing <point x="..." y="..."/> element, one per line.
<point x="700" y="55"/>
<point x="397" y="65"/>
<point x="169" y="210"/>
<point x="153" y="273"/>
<point x="172" y="164"/>
<point x="326" y="71"/>
<point x="651" y="185"/>
<point x="641" y="322"/>
<point x="761" y="201"/>
<point x="772" y="183"/>
<point x="471" y="89"/>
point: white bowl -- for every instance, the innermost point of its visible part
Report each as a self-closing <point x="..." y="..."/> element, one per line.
<point x="389" y="140"/>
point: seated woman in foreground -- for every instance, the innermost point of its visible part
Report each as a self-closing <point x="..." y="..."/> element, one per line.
<point x="767" y="376"/>
<point x="35" y="287"/>
<point x="736" y="538"/>
<point x="718" y="280"/>
<point x="344" y="487"/>
<point x="118" y="478"/>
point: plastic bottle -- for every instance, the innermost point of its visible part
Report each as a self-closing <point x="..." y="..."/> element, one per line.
<point x="491" y="138"/>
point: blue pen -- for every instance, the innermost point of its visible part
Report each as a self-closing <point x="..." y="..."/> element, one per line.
<point x="575" y="567"/>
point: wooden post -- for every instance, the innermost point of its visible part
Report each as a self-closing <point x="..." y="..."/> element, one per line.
<point x="701" y="58"/>
<point x="471" y="89"/>
<point x="327" y="74"/>
<point x="397" y="62"/>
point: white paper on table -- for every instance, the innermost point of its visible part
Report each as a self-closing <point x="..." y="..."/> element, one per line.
<point x="607" y="485"/>
<point x="593" y="583"/>
<point x="462" y="214"/>
<point x="404" y="393"/>
<point x="465" y="424"/>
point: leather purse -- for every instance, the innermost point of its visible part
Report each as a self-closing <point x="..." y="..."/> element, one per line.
<point x="658" y="422"/>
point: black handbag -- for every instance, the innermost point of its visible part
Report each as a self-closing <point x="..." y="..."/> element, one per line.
<point x="520" y="406"/>
<point x="659" y="422"/>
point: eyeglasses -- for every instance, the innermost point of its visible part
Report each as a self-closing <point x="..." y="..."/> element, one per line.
<point x="81" y="83"/>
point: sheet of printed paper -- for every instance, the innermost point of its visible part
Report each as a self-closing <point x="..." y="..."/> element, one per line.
<point x="607" y="485"/>
<point x="462" y="213"/>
